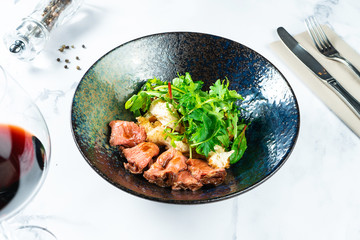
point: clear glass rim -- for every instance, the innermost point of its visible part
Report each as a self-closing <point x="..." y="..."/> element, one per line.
<point x="3" y="83"/>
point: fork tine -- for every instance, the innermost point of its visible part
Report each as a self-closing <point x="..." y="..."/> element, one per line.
<point x="316" y="33"/>
<point x="324" y="40"/>
<point x="322" y="34"/>
<point x="313" y="34"/>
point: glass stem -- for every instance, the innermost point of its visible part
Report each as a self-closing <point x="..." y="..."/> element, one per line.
<point x="4" y="231"/>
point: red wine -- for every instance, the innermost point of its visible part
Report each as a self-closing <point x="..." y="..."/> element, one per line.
<point x="22" y="159"/>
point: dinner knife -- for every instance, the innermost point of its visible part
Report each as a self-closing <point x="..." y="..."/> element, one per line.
<point x="319" y="70"/>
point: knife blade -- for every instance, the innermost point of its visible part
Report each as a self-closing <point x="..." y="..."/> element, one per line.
<point x="319" y="70"/>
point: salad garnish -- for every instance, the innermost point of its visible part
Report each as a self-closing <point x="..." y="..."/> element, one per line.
<point x="205" y="118"/>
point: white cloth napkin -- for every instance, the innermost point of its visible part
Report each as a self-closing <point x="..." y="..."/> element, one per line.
<point x="349" y="80"/>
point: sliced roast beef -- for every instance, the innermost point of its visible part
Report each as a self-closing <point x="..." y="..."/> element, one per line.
<point x="186" y="181"/>
<point x="164" y="171"/>
<point x="124" y="133"/>
<point x="168" y="155"/>
<point x="140" y="156"/>
<point x="201" y="171"/>
<point x="156" y="174"/>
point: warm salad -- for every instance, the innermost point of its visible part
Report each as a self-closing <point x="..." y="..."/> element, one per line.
<point x="184" y="137"/>
<point x="207" y="121"/>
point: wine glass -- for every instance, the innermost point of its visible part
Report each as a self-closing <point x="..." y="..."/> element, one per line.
<point x="24" y="157"/>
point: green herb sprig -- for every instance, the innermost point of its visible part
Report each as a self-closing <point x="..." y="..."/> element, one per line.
<point x="209" y="117"/>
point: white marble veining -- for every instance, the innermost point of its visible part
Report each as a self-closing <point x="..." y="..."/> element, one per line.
<point x="315" y="195"/>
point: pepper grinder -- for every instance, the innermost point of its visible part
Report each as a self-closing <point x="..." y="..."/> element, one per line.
<point x="31" y="35"/>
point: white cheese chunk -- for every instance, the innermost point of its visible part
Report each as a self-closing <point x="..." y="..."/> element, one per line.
<point x="220" y="158"/>
<point x="164" y="113"/>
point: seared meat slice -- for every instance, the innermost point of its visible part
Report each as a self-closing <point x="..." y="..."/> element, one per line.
<point x="178" y="160"/>
<point x="125" y="133"/>
<point x="186" y="181"/>
<point x="204" y="173"/>
<point x="140" y="156"/>
<point x="156" y="174"/>
<point x="164" y="171"/>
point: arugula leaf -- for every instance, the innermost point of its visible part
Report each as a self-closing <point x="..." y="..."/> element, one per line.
<point x="218" y="89"/>
<point x="239" y="146"/>
<point x="206" y="135"/>
<point x="152" y="83"/>
<point x="185" y="83"/>
<point x="138" y="102"/>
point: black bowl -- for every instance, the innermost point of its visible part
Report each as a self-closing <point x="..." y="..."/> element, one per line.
<point x="270" y="105"/>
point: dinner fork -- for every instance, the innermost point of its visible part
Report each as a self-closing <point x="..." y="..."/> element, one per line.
<point x="324" y="45"/>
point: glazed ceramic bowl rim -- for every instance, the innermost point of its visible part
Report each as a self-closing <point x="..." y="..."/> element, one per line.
<point x="201" y="201"/>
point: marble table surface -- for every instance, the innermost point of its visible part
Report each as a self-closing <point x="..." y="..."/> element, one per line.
<point x="315" y="195"/>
